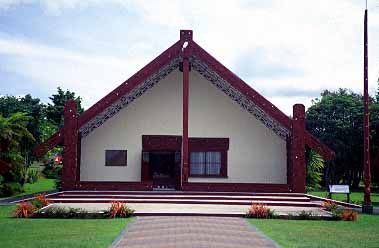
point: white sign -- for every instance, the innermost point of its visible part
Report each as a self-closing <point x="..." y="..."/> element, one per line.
<point x="339" y="189"/>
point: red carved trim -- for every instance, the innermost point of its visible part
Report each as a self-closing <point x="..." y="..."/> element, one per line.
<point x="161" y="143"/>
<point x="318" y="147"/>
<point x="70" y="153"/>
<point x="237" y="187"/>
<point x="298" y="149"/>
<point x="160" y="61"/>
<point x="257" y="98"/>
<point x="185" y="155"/>
<point x="106" y="185"/>
<point x="79" y="148"/>
<point x="289" y="161"/>
<point x="193" y="48"/>
<point x="208" y="144"/>
<point x="54" y="140"/>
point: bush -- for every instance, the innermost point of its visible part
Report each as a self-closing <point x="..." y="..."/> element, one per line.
<point x="305" y="215"/>
<point x="11" y="188"/>
<point x="119" y="209"/>
<point x="62" y="213"/>
<point x="52" y="171"/>
<point x="40" y="201"/>
<point x="58" y="184"/>
<point x="32" y="175"/>
<point x="260" y="211"/>
<point x="24" y="210"/>
<point x="349" y="215"/>
<point x="329" y="205"/>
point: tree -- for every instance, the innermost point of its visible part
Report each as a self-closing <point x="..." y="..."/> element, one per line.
<point x="13" y="131"/>
<point x="337" y="120"/>
<point x="54" y="112"/>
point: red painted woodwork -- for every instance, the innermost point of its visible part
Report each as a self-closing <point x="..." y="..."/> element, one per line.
<point x="178" y="49"/>
<point x="367" y="208"/>
<point x="289" y="161"/>
<point x="208" y="144"/>
<point x="317" y="146"/>
<point x="258" y="99"/>
<point x="70" y="152"/>
<point x="106" y="185"/>
<point x="50" y="143"/>
<point x="236" y="187"/>
<point x="79" y="149"/>
<point x="185" y="36"/>
<point x="298" y="149"/>
<point x="161" y="143"/>
<point x="192" y="49"/>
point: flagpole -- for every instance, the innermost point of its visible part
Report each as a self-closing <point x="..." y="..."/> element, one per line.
<point x="367" y="205"/>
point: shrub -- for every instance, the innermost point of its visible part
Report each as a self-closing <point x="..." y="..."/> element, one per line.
<point x="329" y="205"/>
<point x="349" y="215"/>
<point x="58" y="184"/>
<point x="119" y="209"/>
<point x="336" y="214"/>
<point x="32" y="175"/>
<point x="52" y="171"/>
<point x="40" y="201"/>
<point x="260" y="211"/>
<point x="62" y="212"/>
<point x="11" y="188"/>
<point x="305" y="215"/>
<point x="24" y="210"/>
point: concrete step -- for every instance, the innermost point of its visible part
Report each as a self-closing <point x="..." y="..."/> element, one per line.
<point x="168" y="209"/>
<point x="186" y="201"/>
<point x="186" y="197"/>
<point x="176" y="192"/>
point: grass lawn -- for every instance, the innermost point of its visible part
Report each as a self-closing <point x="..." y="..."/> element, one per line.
<point x="355" y="197"/>
<point x="311" y="234"/>
<point x="57" y="232"/>
<point x="43" y="184"/>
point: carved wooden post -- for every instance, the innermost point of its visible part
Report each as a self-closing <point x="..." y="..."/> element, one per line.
<point x="186" y="38"/>
<point x="298" y="149"/>
<point x="70" y="153"/>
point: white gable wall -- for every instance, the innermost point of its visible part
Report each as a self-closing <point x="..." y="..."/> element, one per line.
<point x="157" y="111"/>
<point x="256" y="154"/>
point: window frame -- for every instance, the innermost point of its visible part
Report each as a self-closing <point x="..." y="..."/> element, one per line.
<point x="113" y="150"/>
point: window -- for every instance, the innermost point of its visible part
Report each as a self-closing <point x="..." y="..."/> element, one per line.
<point x="206" y="163"/>
<point x="115" y="157"/>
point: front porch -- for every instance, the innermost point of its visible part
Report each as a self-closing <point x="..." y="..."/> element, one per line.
<point x="180" y="203"/>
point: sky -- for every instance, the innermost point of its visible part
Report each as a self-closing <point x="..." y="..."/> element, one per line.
<point x="288" y="50"/>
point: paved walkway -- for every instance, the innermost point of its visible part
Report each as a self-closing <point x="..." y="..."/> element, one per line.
<point x="191" y="232"/>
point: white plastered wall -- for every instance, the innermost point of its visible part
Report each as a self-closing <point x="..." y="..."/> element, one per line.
<point x="256" y="154"/>
<point x="157" y="111"/>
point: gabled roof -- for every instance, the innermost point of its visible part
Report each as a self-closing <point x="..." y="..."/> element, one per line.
<point x="206" y="65"/>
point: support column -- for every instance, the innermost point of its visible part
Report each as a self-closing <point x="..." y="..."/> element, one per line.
<point x="186" y="38"/>
<point x="298" y="149"/>
<point x="70" y="153"/>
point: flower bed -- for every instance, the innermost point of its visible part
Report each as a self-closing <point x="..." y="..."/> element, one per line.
<point x="39" y="208"/>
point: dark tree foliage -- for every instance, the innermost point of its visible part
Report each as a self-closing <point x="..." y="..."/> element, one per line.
<point x="337" y="120"/>
<point x="33" y="108"/>
<point x="54" y="112"/>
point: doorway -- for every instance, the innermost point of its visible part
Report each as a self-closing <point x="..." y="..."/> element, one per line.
<point x="162" y="169"/>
